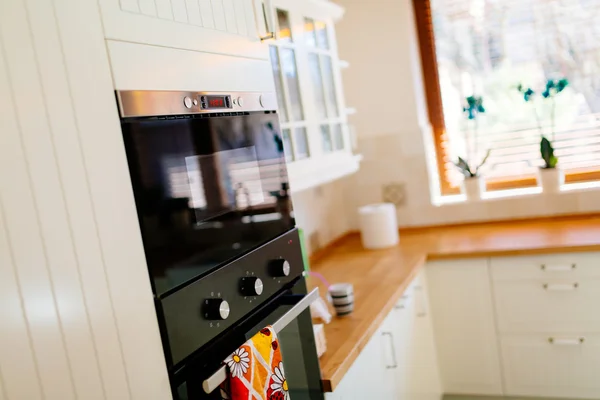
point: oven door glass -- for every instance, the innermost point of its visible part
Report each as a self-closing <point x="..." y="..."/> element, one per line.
<point x="208" y="188"/>
<point x="291" y="317"/>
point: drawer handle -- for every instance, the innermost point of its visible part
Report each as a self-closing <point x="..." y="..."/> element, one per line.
<point x="393" y="348"/>
<point x="558" y="268"/>
<point x="560" y="286"/>
<point x="401" y="305"/>
<point x="566" y="341"/>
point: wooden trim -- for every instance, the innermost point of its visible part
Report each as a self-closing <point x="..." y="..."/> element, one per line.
<point x="422" y="10"/>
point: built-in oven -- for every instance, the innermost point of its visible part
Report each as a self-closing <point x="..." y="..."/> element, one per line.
<point x="213" y="202"/>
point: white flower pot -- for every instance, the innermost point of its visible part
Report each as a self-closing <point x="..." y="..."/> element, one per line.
<point x="551" y="179"/>
<point x="473" y="188"/>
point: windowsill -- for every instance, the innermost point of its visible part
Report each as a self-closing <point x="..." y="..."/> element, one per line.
<point x="512" y="193"/>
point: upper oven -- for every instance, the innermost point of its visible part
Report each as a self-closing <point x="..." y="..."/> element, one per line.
<point x="209" y="178"/>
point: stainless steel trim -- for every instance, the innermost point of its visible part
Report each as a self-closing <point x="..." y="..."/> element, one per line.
<point x="148" y="103"/>
<point x="211" y="383"/>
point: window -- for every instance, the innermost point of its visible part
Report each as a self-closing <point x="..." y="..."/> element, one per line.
<point x="304" y="68"/>
<point x="487" y="48"/>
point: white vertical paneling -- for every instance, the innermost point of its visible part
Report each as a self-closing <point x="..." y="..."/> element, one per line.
<point x="130" y="5"/>
<point x="113" y="205"/>
<point x="17" y="364"/>
<point x="250" y="14"/>
<point x="219" y="14"/>
<point x="206" y="12"/>
<point x="193" y="11"/>
<point x="240" y="16"/>
<point x="22" y="214"/>
<point x="164" y="9"/>
<point x="230" y="19"/>
<point x="148" y="7"/>
<point x="48" y="189"/>
<point x="179" y="11"/>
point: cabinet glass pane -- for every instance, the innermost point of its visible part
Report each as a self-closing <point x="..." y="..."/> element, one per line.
<point x="283" y="115"/>
<point x="338" y="137"/>
<point x="322" y="38"/>
<point x="290" y="71"/>
<point x="332" y="104"/>
<point x="302" y="150"/>
<point x="287" y="145"/>
<point x="326" y="139"/>
<point x="283" y="22"/>
<point x="309" y="32"/>
<point x="317" y="81"/>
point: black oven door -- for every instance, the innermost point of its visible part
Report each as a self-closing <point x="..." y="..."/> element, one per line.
<point x="208" y="188"/>
<point x="289" y="315"/>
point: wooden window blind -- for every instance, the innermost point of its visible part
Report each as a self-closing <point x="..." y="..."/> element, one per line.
<point x="487" y="48"/>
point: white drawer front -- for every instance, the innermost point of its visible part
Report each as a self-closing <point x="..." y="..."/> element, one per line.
<point x="565" y="305"/>
<point x="559" y="266"/>
<point x="565" y="367"/>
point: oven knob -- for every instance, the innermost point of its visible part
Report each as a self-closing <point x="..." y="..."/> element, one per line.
<point x="240" y="102"/>
<point x="216" y="309"/>
<point x="261" y="100"/>
<point x="187" y="102"/>
<point x="279" y="267"/>
<point x="251" y="286"/>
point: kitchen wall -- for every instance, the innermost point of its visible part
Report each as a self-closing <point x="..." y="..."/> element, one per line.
<point x="323" y="212"/>
<point x="384" y="83"/>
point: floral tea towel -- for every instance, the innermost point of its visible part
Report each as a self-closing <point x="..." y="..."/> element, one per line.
<point x="256" y="369"/>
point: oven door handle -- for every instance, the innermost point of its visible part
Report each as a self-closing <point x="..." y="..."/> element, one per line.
<point x="215" y="380"/>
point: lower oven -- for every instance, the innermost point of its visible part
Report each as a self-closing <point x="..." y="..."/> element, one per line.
<point x="214" y="316"/>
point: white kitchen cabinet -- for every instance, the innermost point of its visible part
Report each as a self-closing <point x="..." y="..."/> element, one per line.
<point x="371" y="376"/>
<point x="306" y="68"/>
<point x="460" y="296"/>
<point x="422" y="370"/>
<point x="399" y="362"/>
<point x="560" y="365"/>
<point x="232" y="27"/>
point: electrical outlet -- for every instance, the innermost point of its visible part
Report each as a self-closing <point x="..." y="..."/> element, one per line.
<point x="394" y="193"/>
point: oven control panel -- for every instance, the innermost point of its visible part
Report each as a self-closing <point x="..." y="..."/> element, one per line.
<point x="199" y="312"/>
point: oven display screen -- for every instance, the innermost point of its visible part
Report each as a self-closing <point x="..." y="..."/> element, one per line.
<point x="210" y="102"/>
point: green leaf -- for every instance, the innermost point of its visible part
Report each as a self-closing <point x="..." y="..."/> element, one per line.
<point x="464" y="168"/>
<point x="487" y="155"/>
<point x="547" y="153"/>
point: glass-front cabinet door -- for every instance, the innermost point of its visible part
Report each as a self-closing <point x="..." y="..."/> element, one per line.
<point x="306" y="71"/>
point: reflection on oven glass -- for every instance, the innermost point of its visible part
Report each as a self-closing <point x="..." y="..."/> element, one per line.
<point x="207" y="190"/>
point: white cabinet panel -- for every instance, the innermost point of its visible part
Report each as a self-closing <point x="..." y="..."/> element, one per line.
<point x="193" y="12"/>
<point x="240" y="15"/>
<point x="220" y="73"/>
<point x="565" y="305"/>
<point x="164" y="9"/>
<point x="546" y="267"/>
<point x="219" y="14"/>
<point x="564" y="368"/>
<point x="175" y="24"/>
<point x="423" y="371"/>
<point x="148" y="7"/>
<point x="208" y="21"/>
<point x="464" y="327"/>
<point x="179" y="11"/>
<point x="230" y="17"/>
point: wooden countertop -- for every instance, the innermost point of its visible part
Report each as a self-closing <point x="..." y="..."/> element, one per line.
<point x="380" y="277"/>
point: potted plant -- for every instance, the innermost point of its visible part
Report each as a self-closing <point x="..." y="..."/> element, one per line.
<point x="550" y="176"/>
<point x="473" y="185"/>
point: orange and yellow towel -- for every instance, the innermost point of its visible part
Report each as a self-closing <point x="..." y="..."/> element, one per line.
<point x="256" y="370"/>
